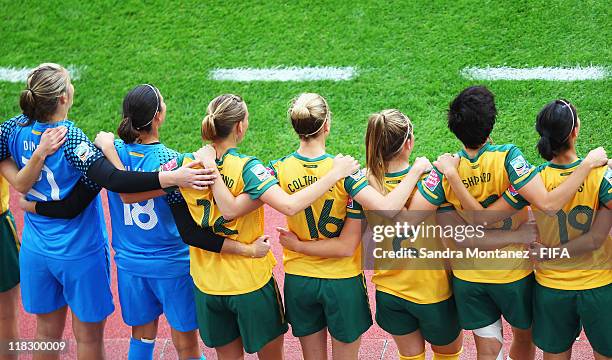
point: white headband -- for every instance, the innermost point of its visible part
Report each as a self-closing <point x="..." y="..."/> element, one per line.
<point x="408" y="131"/>
<point x="573" y="117"/>
<point x="156" y="107"/>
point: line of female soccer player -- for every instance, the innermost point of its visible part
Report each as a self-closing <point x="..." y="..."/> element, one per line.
<point x="189" y="241"/>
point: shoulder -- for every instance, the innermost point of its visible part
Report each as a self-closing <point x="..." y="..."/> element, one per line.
<point x="503" y="147"/>
<point x="165" y="154"/>
<point x="119" y="144"/>
<point x="540" y="168"/>
<point x="75" y="133"/>
<point x="176" y="161"/>
<point x="9" y="125"/>
<point x="281" y="160"/>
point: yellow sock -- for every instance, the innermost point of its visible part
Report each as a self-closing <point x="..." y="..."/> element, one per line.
<point x="416" y="357"/>
<point x="455" y="356"/>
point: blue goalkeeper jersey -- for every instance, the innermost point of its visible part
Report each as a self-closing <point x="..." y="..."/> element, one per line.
<point x="57" y="238"/>
<point x="145" y="238"/>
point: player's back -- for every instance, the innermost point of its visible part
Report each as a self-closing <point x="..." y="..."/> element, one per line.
<point x="145" y="236"/>
<point x="419" y="280"/>
<point x="61" y="238"/>
<point x="494" y="172"/>
<point x="589" y="270"/>
<point x="323" y="219"/>
<point x="229" y="274"/>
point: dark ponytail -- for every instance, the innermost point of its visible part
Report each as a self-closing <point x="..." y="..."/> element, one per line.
<point x="140" y="106"/>
<point x="555" y="123"/>
<point x="126" y="131"/>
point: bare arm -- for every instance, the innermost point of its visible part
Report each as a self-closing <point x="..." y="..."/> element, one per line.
<point x="111" y="154"/>
<point x="342" y="246"/>
<point x="487" y="239"/>
<point x="395" y="200"/>
<point x="23" y="180"/>
<point x="106" y="142"/>
<point x="275" y="196"/>
<point x="259" y="248"/>
<point x="418" y="210"/>
<point x="551" y="202"/>
<point x="594" y="238"/>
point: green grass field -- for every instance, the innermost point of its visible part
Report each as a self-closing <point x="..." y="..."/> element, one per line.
<point x="408" y="54"/>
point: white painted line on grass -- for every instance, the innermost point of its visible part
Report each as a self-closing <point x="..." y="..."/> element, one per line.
<point x="285" y="74"/>
<point x="536" y="73"/>
<point x="15" y="74"/>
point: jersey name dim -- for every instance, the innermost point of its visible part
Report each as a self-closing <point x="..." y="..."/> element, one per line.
<point x="301" y="182"/>
<point x="476" y="179"/>
<point x="229" y="182"/>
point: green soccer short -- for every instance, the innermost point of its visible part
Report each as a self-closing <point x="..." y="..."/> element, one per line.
<point x="438" y="322"/>
<point x="256" y="317"/>
<point x="341" y="305"/>
<point x="9" y="253"/>
<point x="558" y="314"/>
<point x="482" y="304"/>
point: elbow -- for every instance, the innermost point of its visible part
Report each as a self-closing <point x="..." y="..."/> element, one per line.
<point x="548" y="208"/>
<point x="394" y="212"/>
<point x="460" y="244"/>
<point x="598" y="240"/>
<point x="21" y="188"/>
<point x="229" y="216"/>
<point x="289" y="210"/>
<point x="71" y="215"/>
<point x="347" y="252"/>
<point x="126" y="199"/>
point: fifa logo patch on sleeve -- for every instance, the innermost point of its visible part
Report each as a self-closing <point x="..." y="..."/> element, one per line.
<point x="83" y="151"/>
<point x="358" y="175"/>
<point x="520" y="165"/>
<point x="432" y="180"/>
<point x="261" y="172"/>
<point x="170" y="165"/>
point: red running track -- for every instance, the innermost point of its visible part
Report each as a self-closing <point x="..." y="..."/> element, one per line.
<point x="376" y="344"/>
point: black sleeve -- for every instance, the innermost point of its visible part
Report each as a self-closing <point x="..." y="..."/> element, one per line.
<point x="191" y="233"/>
<point x="79" y="198"/>
<point x="119" y="181"/>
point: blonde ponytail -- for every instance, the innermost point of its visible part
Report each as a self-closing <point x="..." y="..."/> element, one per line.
<point x="208" y="128"/>
<point x="222" y="113"/>
<point x="45" y="84"/>
<point x="386" y="135"/>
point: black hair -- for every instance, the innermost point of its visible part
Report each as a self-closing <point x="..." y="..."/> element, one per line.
<point x="140" y="106"/>
<point x="555" y="123"/>
<point x="471" y="116"/>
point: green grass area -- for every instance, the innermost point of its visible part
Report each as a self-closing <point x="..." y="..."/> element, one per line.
<point x="408" y="53"/>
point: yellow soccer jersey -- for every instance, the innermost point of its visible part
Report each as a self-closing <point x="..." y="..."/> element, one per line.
<point x="422" y="281"/>
<point x="589" y="270"/>
<point x="323" y="219"/>
<point x="228" y="274"/>
<point x="487" y="176"/>
<point x="4" y="195"/>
